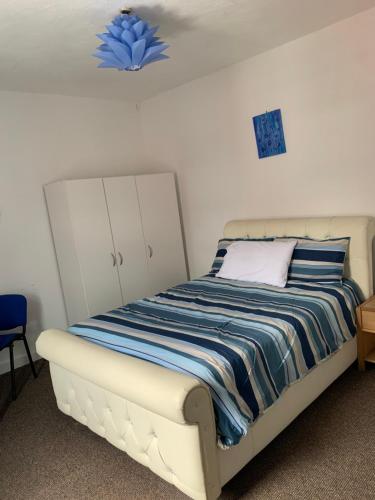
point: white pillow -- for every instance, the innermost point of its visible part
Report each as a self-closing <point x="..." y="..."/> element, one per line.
<point x="258" y="261"/>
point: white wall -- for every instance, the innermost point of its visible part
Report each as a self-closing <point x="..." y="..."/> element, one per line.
<point x="42" y="139"/>
<point x="324" y="84"/>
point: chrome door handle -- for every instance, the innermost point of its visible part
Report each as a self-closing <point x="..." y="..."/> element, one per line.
<point x="121" y="258"/>
<point x="150" y="251"/>
<point x="113" y="259"/>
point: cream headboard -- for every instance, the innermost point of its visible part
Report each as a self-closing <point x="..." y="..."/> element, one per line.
<point x="360" y="229"/>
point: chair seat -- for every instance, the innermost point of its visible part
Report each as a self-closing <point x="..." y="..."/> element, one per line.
<point x="6" y="340"/>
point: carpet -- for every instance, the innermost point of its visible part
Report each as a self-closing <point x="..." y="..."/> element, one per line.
<point x="328" y="452"/>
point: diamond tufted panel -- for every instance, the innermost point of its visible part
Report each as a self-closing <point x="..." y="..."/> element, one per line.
<point x="361" y="230"/>
<point x="161" y="418"/>
<point x="168" y="448"/>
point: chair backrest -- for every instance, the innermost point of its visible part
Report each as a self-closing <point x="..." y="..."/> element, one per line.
<point x="13" y="311"/>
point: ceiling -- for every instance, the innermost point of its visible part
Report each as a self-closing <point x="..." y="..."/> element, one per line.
<point x="46" y="45"/>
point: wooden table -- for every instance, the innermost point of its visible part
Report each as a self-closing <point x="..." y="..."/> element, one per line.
<point x="366" y="332"/>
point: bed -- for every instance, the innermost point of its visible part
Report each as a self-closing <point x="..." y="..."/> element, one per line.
<point x="145" y="409"/>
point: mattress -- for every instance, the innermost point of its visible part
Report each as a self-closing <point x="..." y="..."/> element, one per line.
<point x="246" y="342"/>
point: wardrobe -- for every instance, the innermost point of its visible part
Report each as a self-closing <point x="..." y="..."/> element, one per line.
<point x="117" y="239"/>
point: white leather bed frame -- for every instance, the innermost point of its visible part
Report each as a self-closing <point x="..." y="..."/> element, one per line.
<point x="164" y="419"/>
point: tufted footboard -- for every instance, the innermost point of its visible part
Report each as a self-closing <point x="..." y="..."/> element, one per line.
<point x="162" y="419"/>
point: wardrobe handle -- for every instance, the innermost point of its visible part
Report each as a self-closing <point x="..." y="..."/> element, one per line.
<point x="113" y="259"/>
<point x="150" y="251"/>
<point x="121" y="258"/>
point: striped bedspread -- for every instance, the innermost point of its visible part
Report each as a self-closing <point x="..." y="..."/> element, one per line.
<point x="246" y="342"/>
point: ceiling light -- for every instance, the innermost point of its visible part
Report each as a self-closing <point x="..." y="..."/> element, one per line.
<point x="129" y="44"/>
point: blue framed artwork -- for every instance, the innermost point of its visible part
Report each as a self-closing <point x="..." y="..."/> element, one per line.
<point x="269" y="133"/>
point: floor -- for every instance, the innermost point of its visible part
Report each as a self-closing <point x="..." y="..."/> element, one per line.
<point x="22" y="376"/>
<point x="328" y="452"/>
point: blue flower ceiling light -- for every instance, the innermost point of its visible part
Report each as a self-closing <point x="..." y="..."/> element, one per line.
<point x="129" y="44"/>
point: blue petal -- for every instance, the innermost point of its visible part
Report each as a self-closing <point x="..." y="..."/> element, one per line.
<point x="138" y="50"/>
<point x="128" y="37"/>
<point x="117" y="20"/>
<point x="116" y="31"/>
<point x="156" y="43"/>
<point x="126" y="25"/>
<point x="121" y="51"/>
<point x="139" y="28"/>
<point x="153" y="30"/>
<point x="109" y="65"/>
<point x="105" y="37"/>
<point x="104" y="47"/>
<point x="159" y="57"/>
<point x="108" y="57"/>
<point x="154" y="39"/>
<point x="148" y="35"/>
<point x="152" y="52"/>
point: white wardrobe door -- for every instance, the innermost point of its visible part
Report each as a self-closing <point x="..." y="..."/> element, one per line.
<point x="162" y="230"/>
<point x="94" y="246"/>
<point x="125" y="218"/>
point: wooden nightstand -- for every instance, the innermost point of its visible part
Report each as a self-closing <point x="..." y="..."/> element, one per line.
<point x="366" y="332"/>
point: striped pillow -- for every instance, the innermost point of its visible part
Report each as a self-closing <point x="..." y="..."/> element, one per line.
<point x="222" y="251"/>
<point x="320" y="261"/>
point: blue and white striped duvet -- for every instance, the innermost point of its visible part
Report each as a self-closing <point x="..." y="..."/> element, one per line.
<point x="246" y="342"/>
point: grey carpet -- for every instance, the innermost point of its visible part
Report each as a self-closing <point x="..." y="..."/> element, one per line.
<point x="22" y="375"/>
<point x="328" y="452"/>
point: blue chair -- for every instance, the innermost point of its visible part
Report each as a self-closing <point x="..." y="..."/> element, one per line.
<point x="13" y="314"/>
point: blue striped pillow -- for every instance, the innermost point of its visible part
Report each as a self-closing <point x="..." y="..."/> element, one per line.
<point x="221" y="252"/>
<point x="320" y="261"/>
